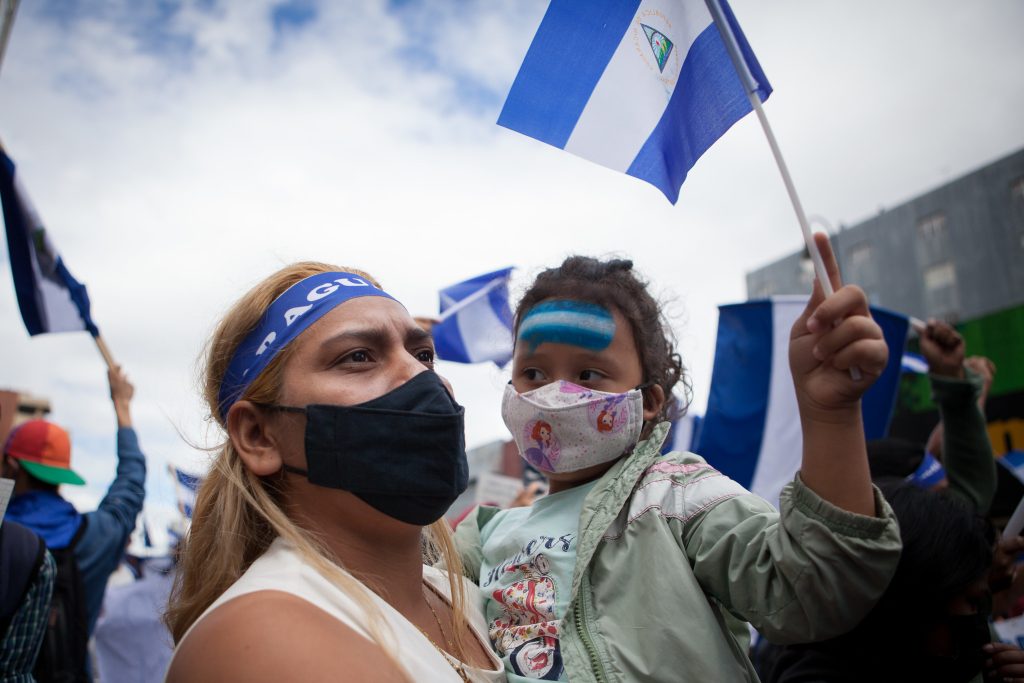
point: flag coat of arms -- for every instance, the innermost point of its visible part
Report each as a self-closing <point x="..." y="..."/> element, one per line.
<point x="644" y="87"/>
<point x="751" y="430"/>
<point x="475" y="322"/>
<point x="50" y="298"/>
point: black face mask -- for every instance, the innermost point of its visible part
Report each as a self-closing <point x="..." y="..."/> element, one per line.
<point x="404" y="453"/>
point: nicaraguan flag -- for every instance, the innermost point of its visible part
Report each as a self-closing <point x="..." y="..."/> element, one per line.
<point x="50" y="299"/>
<point x="642" y="87"/>
<point x="185" y="487"/>
<point x="914" y="363"/>
<point x="475" y="324"/>
<point x="751" y="429"/>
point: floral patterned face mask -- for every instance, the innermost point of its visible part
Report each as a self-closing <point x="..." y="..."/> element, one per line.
<point x="563" y="427"/>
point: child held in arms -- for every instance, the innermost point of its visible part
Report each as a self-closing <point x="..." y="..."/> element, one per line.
<point x="635" y="564"/>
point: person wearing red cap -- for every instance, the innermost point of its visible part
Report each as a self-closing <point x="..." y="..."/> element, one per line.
<point x="37" y="455"/>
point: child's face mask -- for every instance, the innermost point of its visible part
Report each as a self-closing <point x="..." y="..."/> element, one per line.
<point x="563" y="427"/>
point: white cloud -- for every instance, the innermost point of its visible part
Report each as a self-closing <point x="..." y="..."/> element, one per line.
<point x="174" y="179"/>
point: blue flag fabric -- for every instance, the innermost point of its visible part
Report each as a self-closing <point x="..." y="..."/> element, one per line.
<point x="644" y="87"/>
<point x="751" y="430"/>
<point x="475" y="322"/>
<point x="50" y="299"/>
<point x="185" y="487"/>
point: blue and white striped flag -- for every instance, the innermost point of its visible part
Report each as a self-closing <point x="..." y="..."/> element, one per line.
<point x="50" y="299"/>
<point x="475" y="324"/>
<point x="914" y="363"/>
<point x="751" y="429"/>
<point x="644" y="87"/>
<point x="185" y="487"/>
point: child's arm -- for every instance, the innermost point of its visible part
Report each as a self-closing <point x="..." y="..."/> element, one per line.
<point x="833" y="335"/>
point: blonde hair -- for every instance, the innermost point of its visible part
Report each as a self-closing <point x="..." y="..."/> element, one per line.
<point x="238" y="514"/>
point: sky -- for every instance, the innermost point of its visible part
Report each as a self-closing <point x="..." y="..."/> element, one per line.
<point x="179" y="152"/>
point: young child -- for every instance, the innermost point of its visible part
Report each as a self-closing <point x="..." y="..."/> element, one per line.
<point x="632" y="568"/>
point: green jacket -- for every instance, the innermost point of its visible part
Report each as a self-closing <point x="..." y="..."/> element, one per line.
<point x="966" y="450"/>
<point x="667" y="546"/>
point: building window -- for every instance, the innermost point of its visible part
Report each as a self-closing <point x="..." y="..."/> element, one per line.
<point x="1017" y="189"/>
<point x="940" y="276"/>
<point x="860" y="256"/>
<point x="932" y="227"/>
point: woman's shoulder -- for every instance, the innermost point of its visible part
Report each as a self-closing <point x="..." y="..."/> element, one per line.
<point x="272" y="635"/>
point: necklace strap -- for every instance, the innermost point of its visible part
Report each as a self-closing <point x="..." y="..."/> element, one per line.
<point x="460" y="667"/>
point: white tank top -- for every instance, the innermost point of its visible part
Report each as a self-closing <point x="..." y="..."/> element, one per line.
<point x="280" y="568"/>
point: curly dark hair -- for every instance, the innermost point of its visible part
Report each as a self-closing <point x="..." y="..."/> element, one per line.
<point x="614" y="284"/>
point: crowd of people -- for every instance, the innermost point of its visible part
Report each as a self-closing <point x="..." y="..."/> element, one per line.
<point x="318" y="548"/>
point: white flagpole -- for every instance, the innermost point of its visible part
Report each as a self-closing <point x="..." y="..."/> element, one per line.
<point x="475" y="296"/>
<point x="750" y="85"/>
<point x="11" y="6"/>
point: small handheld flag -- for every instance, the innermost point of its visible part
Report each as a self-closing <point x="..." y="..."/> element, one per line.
<point x="642" y="87"/>
<point x="50" y="298"/>
<point x="185" y="487"/>
<point x="914" y="363"/>
<point x="475" y="324"/>
<point x="751" y="429"/>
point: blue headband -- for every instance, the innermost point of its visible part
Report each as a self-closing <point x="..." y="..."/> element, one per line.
<point x="297" y="308"/>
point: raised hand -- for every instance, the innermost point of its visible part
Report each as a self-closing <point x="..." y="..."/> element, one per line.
<point x="833" y="335"/>
<point x="121" y="393"/>
<point x="943" y="348"/>
<point x="1004" y="663"/>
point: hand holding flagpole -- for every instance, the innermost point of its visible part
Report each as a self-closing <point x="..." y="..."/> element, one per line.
<point x="108" y="358"/>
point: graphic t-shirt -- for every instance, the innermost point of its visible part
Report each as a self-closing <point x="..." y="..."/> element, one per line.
<point x="526" y="579"/>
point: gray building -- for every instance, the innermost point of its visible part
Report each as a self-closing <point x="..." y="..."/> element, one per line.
<point x="955" y="253"/>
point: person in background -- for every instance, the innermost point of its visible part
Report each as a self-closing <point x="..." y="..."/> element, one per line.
<point x="87" y="546"/>
<point x="26" y="584"/>
<point x="932" y="623"/>
<point x="960" y="440"/>
<point x="973" y="367"/>
<point x="132" y="642"/>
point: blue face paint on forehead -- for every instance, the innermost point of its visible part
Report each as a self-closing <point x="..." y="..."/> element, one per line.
<point x="578" y="323"/>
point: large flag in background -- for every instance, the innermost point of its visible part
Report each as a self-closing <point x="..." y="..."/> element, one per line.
<point x="50" y="299"/>
<point x="751" y="430"/>
<point x="642" y="87"/>
<point x="475" y="324"/>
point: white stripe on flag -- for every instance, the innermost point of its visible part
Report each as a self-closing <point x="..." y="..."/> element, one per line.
<point x="484" y="334"/>
<point x="782" y="441"/>
<point x="628" y="77"/>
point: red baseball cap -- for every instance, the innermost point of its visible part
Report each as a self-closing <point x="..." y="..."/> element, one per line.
<point x="44" y="450"/>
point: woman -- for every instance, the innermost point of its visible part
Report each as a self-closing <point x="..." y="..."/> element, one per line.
<point x="344" y="449"/>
